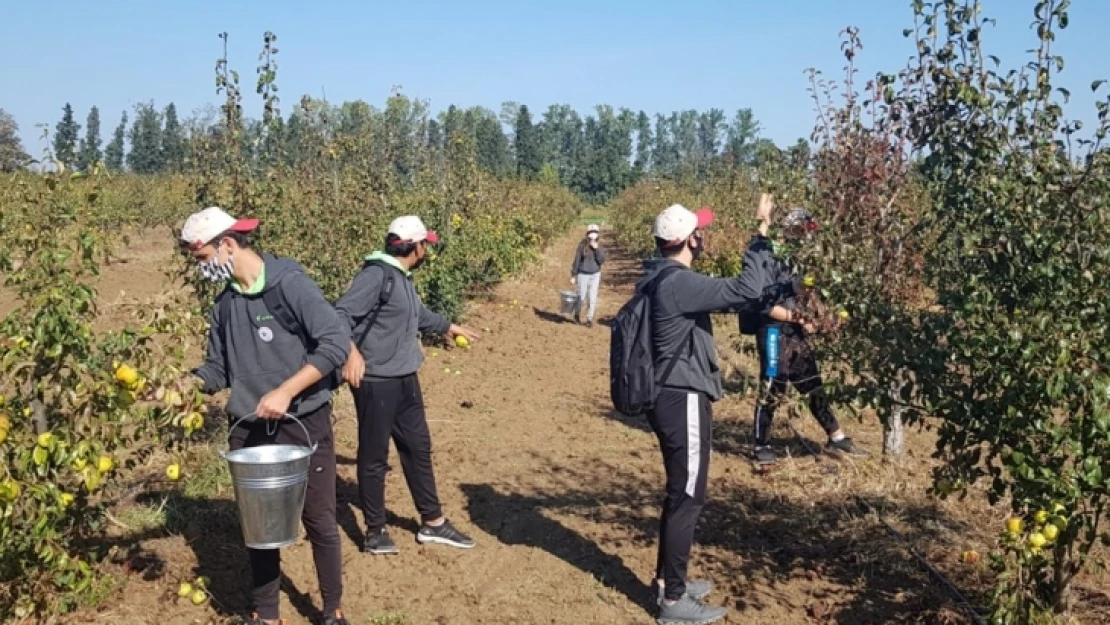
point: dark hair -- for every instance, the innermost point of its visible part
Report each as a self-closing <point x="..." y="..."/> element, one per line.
<point x="667" y="250"/>
<point x="395" y="247"/>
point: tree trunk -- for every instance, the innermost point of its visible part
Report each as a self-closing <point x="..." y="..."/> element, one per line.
<point x="893" y="431"/>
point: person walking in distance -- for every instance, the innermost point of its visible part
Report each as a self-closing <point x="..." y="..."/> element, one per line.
<point x="585" y="271"/>
<point x="782" y="328"/>
<point x="680" y="301"/>
<point x="271" y="373"/>
<point x="385" y="315"/>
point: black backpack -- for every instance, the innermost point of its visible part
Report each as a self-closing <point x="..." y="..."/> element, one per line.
<point x="278" y="306"/>
<point x="633" y="383"/>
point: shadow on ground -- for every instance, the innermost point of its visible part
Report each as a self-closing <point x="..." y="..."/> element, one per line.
<point x="756" y="539"/>
<point x="211" y="530"/>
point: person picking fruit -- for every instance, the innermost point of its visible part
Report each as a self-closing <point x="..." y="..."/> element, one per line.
<point x="385" y="315"/>
<point x="688" y="380"/>
<point x="585" y="271"/>
<point x="790" y="359"/>
<point x="271" y="373"/>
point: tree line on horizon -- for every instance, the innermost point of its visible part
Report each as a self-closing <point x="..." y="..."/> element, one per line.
<point x="596" y="155"/>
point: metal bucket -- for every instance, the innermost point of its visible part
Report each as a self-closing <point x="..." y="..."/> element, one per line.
<point x="270" y="482"/>
<point x="568" y="301"/>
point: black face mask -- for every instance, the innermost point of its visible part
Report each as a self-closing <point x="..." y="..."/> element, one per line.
<point x="696" y="251"/>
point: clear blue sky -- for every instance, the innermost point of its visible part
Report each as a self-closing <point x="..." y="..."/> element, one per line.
<point x="654" y="56"/>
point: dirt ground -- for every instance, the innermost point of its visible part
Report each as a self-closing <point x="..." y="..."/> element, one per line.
<point x="563" y="497"/>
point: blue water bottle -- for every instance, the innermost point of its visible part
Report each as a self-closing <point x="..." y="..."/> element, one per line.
<point x="771" y="346"/>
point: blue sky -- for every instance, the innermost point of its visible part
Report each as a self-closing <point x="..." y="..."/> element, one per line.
<point x="656" y="57"/>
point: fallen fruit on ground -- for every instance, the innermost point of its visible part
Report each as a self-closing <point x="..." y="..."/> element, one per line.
<point x="185" y="589"/>
<point x="198" y="597"/>
<point x="462" y="341"/>
<point x="173" y="471"/>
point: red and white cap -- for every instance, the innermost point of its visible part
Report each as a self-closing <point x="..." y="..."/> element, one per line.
<point x="411" y="230"/>
<point x="204" y="226"/>
<point x="676" y="223"/>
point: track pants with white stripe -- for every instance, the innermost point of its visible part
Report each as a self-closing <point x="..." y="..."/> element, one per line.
<point x="682" y="421"/>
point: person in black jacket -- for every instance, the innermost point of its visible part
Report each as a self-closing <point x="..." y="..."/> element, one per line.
<point x="797" y="364"/>
<point x="585" y="271"/>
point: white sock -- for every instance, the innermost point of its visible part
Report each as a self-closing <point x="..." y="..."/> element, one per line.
<point x="837" y="437"/>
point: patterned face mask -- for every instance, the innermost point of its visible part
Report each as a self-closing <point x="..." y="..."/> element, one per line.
<point x="214" y="271"/>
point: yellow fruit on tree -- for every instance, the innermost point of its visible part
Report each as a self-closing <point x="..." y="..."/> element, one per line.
<point x="809" y="282"/>
<point x="79" y="463"/>
<point x="65" y="499"/>
<point x="125" y="374"/>
<point x="105" y="464"/>
<point x="5" y="421"/>
<point x="45" y="439"/>
<point x="1041" y="516"/>
<point x="1050" y="532"/>
<point x="203" y="581"/>
<point x="1037" y="540"/>
<point x="9" y="490"/>
<point x="198" y="597"/>
<point x="843" y="314"/>
<point x="1014" y="525"/>
<point x="173" y="471"/>
<point x="185" y="589"/>
<point x="462" y="341"/>
<point x="1058" y="508"/>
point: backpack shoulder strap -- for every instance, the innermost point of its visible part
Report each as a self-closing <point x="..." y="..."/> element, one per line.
<point x="278" y="305"/>
<point x="388" y="279"/>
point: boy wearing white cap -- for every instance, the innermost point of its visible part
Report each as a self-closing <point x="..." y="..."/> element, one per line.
<point x="680" y="303"/>
<point x="273" y="370"/>
<point x="385" y="316"/>
<point x="585" y="271"/>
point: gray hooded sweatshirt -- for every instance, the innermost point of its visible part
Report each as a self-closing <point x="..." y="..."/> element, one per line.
<point x="683" y="300"/>
<point x="392" y="348"/>
<point x="252" y="354"/>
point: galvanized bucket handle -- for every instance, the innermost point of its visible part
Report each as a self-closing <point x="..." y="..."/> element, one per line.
<point x="307" y="436"/>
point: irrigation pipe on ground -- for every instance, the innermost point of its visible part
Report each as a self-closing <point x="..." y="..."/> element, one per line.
<point x="925" y="563"/>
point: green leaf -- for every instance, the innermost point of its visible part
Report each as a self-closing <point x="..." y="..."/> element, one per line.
<point x="1096" y="84"/>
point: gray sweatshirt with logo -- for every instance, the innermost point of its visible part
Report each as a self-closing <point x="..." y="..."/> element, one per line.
<point x="251" y="353"/>
<point x="683" y="300"/>
<point x="392" y="348"/>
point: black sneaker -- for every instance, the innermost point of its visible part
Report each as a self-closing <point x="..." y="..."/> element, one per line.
<point x="379" y="543"/>
<point x="689" y="611"/>
<point x="845" y="445"/>
<point x="335" y="619"/>
<point x="577" y="319"/>
<point x="764" y="454"/>
<point x="444" y="534"/>
<point x="697" y="588"/>
<point x="589" y="324"/>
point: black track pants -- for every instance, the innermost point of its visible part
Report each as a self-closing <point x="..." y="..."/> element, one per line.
<point x="394" y="409"/>
<point x="683" y="424"/>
